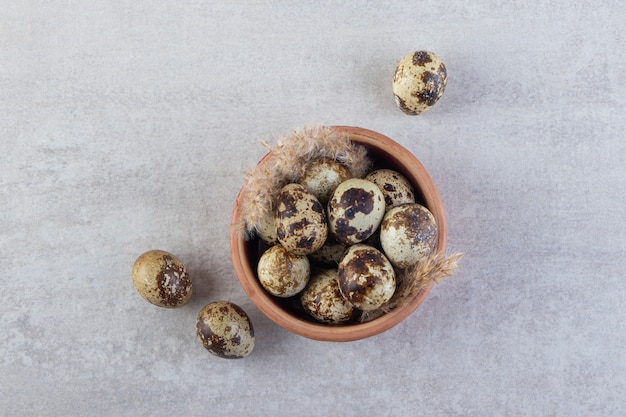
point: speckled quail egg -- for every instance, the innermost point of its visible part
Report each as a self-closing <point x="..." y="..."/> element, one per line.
<point x="408" y="234"/>
<point x="225" y="330"/>
<point x="355" y="210"/>
<point x="366" y="277"/>
<point x="323" y="300"/>
<point x="395" y="187"/>
<point x="283" y="273"/>
<point x="330" y="253"/>
<point x="322" y="176"/>
<point x="266" y="229"/>
<point x="162" y="279"/>
<point x="418" y="82"/>
<point x="300" y="220"/>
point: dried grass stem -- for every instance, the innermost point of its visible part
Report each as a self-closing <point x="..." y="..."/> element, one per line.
<point x="411" y="281"/>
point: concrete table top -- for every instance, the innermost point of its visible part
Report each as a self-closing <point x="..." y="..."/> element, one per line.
<point x="128" y="126"/>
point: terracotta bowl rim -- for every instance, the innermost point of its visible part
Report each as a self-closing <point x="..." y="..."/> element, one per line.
<point x="409" y="165"/>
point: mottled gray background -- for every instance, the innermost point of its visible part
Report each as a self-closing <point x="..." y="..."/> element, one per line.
<point x="127" y="126"/>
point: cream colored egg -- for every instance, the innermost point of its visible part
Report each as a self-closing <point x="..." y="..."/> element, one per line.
<point x="225" y="330"/>
<point x="323" y="300"/>
<point x="366" y="277"/>
<point x="300" y="220"/>
<point x="162" y="279"/>
<point x="408" y="234"/>
<point x="395" y="187"/>
<point x="355" y="210"/>
<point x="322" y="176"/>
<point x="419" y="81"/>
<point x="282" y="273"/>
<point x="266" y="229"/>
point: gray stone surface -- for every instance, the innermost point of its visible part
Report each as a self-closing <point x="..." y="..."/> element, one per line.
<point x="127" y="126"/>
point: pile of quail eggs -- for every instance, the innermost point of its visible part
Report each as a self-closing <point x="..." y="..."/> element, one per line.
<point x="333" y="245"/>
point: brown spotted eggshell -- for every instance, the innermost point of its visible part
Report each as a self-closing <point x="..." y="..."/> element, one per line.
<point x="395" y="187"/>
<point x="300" y="220"/>
<point x="283" y="273"/>
<point x="266" y="229"/>
<point x="225" y="330"/>
<point x="322" y="176"/>
<point x="418" y="82"/>
<point x="162" y="279"/>
<point x="408" y="234"/>
<point x="366" y="277"/>
<point x="355" y="210"/>
<point x="323" y="300"/>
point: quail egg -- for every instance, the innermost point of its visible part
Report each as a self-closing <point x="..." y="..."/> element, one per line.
<point x="266" y="230"/>
<point x="355" y="210"/>
<point x="408" y="234"/>
<point x="162" y="279"/>
<point x="395" y="187"/>
<point x="418" y="82"/>
<point x="366" y="277"/>
<point x="300" y="220"/>
<point x="282" y="273"/>
<point x="323" y="300"/>
<point x="322" y="176"/>
<point x="225" y="330"/>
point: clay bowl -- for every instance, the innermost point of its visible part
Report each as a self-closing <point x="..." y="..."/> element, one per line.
<point x="386" y="153"/>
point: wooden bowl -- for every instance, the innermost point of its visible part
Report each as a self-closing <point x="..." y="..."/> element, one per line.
<point x="245" y="254"/>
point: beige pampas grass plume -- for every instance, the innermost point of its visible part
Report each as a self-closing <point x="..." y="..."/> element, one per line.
<point x="411" y="281"/>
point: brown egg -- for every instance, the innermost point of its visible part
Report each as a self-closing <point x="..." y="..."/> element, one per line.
<point x="418" y="82"/>
<point x="355" y="210"/>
<point x="162" y="279"/>
<point x="395" y="187"/>
<point x="408" y="234"/>
<point x="323" y="300"/>
<point x="366" y="277"/>
<point x="225" y="330"/>
<point x="300" y="220"/>
<point x="322" y="176"/>
<point x="283" y="273"/>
